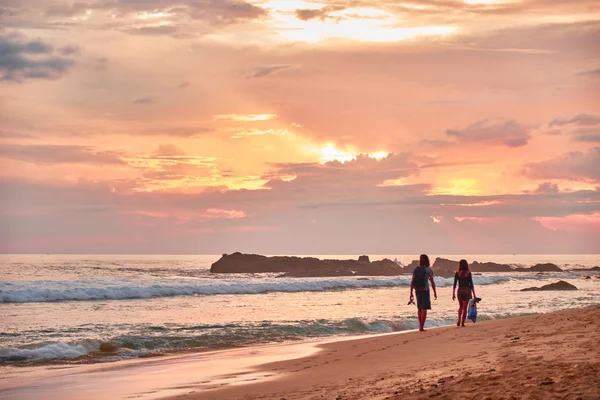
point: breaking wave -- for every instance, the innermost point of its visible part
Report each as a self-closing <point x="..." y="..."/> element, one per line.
<point x="156" y="340"/>
<point x="117" y="289"/>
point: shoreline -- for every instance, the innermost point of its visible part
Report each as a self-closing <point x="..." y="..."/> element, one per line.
<point x="542" y="356"/>
<point x="383" y="366"/>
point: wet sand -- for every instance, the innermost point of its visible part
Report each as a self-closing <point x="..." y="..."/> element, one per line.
<point x="547" y="356"/>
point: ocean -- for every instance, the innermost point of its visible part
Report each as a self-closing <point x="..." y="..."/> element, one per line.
<point x="73" y="309"/>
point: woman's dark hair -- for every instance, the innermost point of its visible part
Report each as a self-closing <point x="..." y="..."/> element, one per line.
<point x="463" y="267"/>
<point x="424" y="260"/>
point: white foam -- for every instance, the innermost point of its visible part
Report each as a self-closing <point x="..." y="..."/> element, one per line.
<point x="115" y="289"/>
<point x="50" y="351"/>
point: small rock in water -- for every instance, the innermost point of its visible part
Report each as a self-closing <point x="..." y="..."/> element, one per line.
<point x="108" y="347"/>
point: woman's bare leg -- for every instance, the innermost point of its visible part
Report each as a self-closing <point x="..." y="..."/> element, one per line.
<point x="460" y="308"/>
<point x="465" y="306"/>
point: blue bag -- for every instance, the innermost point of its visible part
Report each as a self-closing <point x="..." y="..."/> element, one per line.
<point x="472" y="310"/>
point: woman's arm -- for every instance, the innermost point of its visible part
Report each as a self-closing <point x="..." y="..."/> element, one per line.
<point x="454" y="287"/>
<point x="471" y="283"/>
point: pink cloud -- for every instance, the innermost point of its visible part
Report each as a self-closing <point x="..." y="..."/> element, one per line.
<point x="572" y="223"/>
<point x="250" y="228"/>
<point x="220" y="213"/>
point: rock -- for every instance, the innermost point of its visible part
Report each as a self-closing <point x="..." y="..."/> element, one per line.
<point x="446" y="268"/>
<point x="108" y="347"/>
<point x="560" y="285"/>
<point x="304" y="266"/>
<point x="548" y="267"/>
<point x="490" y="267"/>
<point x="364" y="259"/>
<point x="585" y="269"/>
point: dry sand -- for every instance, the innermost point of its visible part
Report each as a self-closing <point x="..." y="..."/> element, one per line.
<point x="548" y="356"/>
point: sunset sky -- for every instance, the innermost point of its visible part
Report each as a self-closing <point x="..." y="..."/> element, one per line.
<point x="300" y="127"/>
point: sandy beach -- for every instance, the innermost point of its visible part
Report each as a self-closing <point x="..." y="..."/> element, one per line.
<point x="550" y="356"/>
<point x="544" y="356"/>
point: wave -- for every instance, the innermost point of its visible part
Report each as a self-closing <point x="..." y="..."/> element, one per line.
<point x="117" y="289"/>
<point x="157" y="340"/>
<point x="49" y="351"/>
<point x="152" y="340"/>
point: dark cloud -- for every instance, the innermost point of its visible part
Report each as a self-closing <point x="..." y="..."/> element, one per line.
<point x="154" y="30"/>
<point x="353" y="182"/>
<point x="321" y="13"/>
<point x="553" y="132"/>
<point x="547" y="187"/>
<point x="262" y="71"/>
<point x="180" y="131"/>
<point x="143" y="100"/>
<point x="213" y="13"/>
<point x="439" y="144"/>
<point x="69" y="50"/>
<point x="21" y="59"/>
<point x="99" y="63"/>
<point x="225" y="12"/>
<point x="385" y="218"/>
<point x="588" y="135"/>
<point x="574" y="38"/>
<point x="15" y="135"/>
<point x="59" y="154"/>
<point x="456" y="8"/>
<point x="580" y="119"/>
<point x="593" y="72"/>
<point x="77" y="8"/>
<point x="8" y="11"/>
<point x="575" y="165"/>
<point x="496" y="132"/>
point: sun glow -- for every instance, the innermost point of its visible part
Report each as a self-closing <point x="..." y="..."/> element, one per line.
<point x="246" y="117"/>
<point x="480" y="204"/>
<point x="363" y="24"/>
<point x="459" y="187"/>
<point x="330" y="153"/>
<point x="489" y="2"/>
<point x="152" y="15"/>
<point x="392" y="182"/>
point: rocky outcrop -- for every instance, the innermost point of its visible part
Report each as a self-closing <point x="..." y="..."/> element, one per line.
<point x="304" y="266"/>
<point x="585" y="269"/>
<point x="560" y="285"/>
<point x="446" y="268"/>
<point x="547" y="267"/>
<point x="490" y="267"/>
<point x="310" y="266"/>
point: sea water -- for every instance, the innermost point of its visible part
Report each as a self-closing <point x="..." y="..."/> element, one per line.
<point x="70" y="309"/>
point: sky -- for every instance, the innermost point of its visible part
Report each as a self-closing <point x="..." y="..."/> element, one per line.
<point x="300" y="127"/>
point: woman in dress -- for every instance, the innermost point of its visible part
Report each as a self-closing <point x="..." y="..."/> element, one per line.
<point x="465" y="287"/>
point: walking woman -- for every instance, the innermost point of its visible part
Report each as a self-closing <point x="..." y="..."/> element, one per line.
<point x="465" y="287"/>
